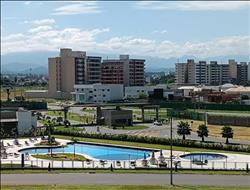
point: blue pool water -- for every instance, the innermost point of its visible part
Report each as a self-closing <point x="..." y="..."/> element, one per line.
<point x="96" y="151"/>
<point x="203" y="156"/>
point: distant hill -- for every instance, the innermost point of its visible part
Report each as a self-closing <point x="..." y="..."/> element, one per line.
<point x="37" y="62"/>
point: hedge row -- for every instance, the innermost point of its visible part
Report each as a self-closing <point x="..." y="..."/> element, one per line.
<point x="186" y="114"/>
<point x="157" y="140"/>
<point x="209" y="106"/>
<point x="30" y="105"/>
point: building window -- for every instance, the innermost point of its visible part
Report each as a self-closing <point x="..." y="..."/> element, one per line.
<point x="108" y="90"/>
<point x="104" y="95"/>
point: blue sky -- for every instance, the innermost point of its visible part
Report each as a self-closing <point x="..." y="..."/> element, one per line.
<point x="163" y="29"/>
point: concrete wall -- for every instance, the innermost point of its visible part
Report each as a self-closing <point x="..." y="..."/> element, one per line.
<point x="112" y="117"/>
<point x="36" y="94"/>
<point x="228" y="120"/>
<point x="25" y="121"/>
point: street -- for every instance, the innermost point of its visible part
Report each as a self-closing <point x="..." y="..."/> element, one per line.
<point x="128" y="179"/>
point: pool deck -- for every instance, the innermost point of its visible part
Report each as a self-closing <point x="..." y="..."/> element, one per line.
<point x="233" y="161"/>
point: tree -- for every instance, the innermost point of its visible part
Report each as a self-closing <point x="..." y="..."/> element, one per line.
<point x="202" y="131"/>
<point x="74" y="141"/>
<point x="66" y="123"/>
<point x="59" y="120"/>
<point x="183" y="128"/>
<point x="227" y="132"/>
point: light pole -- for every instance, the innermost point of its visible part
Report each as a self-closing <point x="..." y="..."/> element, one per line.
<point x="171" y="150"/>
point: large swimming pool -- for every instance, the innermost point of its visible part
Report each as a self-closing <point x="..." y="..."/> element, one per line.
<point x="96" y="151"/>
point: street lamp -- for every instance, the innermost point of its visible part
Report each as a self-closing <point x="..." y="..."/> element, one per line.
<point x="171" y="150"/>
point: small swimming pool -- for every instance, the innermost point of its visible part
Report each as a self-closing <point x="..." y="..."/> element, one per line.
<point x="101" y="152"/>
<point x="203" y="156"/>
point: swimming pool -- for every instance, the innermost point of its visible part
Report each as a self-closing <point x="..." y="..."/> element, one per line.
<point x="96" y="151"/>
<point x="203" y="156"/>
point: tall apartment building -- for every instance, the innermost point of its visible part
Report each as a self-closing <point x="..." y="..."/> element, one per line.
<point x="191" y="73"/>
<point x="191" y="70"/>
<point x="242" y="72"/>
<point x="232" y="70"/>
<point x="248" y="71"/>
<point x="181" y="73"/>
<point x="129" y="72"/>
<point x="70" y="68"/>
<point x="201" y="73"/>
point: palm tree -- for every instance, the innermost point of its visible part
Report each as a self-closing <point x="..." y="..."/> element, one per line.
<point x="183" y="128"/>
<point x="227" y="132"/>
<point x="74" y="140"/>
<point x="202" y="131"/>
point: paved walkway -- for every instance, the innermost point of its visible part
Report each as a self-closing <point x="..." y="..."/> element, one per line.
<point x="128" y="179"/>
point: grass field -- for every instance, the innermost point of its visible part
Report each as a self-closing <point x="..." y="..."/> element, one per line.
<point x="121" y="171"/>
<point x="72" y="116"/>
<point x="241" y="133"/>
<point x="60" y="157"/>
<point x="146" y="145"/>
<point x="118" y="187"/>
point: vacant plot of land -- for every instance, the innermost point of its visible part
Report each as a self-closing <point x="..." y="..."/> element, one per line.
<point x="18" y="91"/>
<point x="241" y="133"/>
<point x="72" y="116"/>
<point x="117" y="187"/>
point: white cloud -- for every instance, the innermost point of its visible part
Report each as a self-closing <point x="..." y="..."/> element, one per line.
<point x="45" y="37"/>
<point x="193" y="5"/>
<point x="27" y="2"/>
<point x="83" y="7"/>
<point x="40" y="29"/>
<point x="47" y="21"/>
<point x="160" y="31"/>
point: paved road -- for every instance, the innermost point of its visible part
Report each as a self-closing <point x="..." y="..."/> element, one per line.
<point x="129" y="179"/>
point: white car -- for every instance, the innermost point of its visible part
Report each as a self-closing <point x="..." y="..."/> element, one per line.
<point x="158" y="123"/>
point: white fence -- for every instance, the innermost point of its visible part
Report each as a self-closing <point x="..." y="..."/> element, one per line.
<point x="218" y="165"/>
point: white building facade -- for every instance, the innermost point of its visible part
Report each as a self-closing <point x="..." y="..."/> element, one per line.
<point x="97" y="93"/>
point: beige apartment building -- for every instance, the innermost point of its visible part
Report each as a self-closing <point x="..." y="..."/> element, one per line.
<point x="70" y="68"/>
<point x="201" y="73"/>
<point x="129" y="72"/>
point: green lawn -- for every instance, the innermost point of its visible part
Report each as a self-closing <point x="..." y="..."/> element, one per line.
<point x="72" y="116"/>
<point x="121" y="171"/>
<point x="60" y="157"/>
<point x="117" y="187"/>
<point x="220" y="111"/>
<point x="146" y="145"/>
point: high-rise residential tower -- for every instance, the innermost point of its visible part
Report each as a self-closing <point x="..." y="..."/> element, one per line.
<point x="70" y="68"/>
<point x="129" y="72"/>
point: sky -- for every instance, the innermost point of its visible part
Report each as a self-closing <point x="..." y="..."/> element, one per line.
<point x="151" y="28"/>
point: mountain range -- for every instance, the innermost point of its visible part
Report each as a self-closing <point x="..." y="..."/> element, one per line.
<point x="37" y="62"/>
